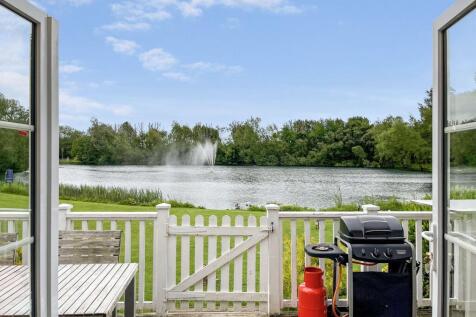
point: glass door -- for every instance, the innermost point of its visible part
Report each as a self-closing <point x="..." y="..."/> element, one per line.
<point x="28" y="160"/>
<point x="457" y="218"/>
<point x="460" y="166"/>
<point x="17" y="143"/>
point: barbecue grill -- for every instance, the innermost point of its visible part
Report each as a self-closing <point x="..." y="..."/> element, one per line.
<point x="372" y="241"/>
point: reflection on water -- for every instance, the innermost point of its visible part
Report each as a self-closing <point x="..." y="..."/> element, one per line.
<point x="223" y="186"/>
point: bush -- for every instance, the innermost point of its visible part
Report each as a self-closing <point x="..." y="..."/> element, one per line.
<point x="102" y="194"/>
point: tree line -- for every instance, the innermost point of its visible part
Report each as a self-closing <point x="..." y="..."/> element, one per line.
<point x="356" y="142"/>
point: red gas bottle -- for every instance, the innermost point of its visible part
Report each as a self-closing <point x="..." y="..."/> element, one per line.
<point x="312" y="294"/>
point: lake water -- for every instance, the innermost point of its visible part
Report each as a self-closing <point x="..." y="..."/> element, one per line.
<point x="221" y="187"/>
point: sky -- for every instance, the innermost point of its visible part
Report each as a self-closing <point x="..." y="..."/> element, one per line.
<point x="217" y="61"/>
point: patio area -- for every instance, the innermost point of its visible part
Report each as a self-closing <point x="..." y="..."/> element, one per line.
<point x="225" y="266"/>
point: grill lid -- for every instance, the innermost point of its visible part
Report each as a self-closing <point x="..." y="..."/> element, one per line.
<point x="371" y="229"/>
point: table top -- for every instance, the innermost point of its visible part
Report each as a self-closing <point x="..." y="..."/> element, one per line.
<point x="83" y="289"/>
<point x="456" y="205"/>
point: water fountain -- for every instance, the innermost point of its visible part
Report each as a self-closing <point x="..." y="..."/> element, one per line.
<point x="203" y="154"/>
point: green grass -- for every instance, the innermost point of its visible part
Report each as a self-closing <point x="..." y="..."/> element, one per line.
<point x="101" y="194"/>
<point x="19" y="201"/>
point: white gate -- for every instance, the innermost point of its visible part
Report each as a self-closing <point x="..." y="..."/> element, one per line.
<point x="214" y="264"/>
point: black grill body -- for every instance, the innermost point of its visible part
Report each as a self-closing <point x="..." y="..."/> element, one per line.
<point x="374" y="240"/>
<point x="371" y="229"/>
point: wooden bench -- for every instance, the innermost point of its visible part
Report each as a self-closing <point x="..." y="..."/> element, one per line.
<point x="8" y="258"/>
<point x="89" y="247"/>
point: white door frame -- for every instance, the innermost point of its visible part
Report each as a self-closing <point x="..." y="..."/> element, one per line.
<point x="44" y="251"/>
<point x="439" y="288"/>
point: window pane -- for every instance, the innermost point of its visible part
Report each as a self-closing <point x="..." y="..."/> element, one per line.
<point x="15" y="67"/>
<point x="461" y="63"/>
<point x="14" y="169"/>
<point x="462" y="221"/>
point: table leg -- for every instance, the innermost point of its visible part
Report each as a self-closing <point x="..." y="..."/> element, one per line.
<point x="130" y="300"/>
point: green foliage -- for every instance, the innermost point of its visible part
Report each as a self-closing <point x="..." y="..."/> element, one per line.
<point x="14" y="188"/>
<point x="101" y="194"/>
<point x="281" y="207"/>
<point x="14" y="146"/>
<point x="356" y="142"/>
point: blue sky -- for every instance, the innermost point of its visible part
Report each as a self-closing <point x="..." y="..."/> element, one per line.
<point x="215" y="61"/>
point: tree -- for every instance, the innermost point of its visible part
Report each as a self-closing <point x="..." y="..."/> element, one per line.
<point x="399" y="146"/>
<point x="67" y="137"/>
<point x="14" y="145"/>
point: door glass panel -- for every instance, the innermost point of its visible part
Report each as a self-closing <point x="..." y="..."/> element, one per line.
<point x="15" y="161"/>
<point x="15" y="64"/>
<point x="461" y="166"/>
<point x="461" y="70"/>
<point x="14" y="169"/>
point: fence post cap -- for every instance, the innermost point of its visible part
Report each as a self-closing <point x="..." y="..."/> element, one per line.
<point x="163" y="206"/>
<point x="272" y="207"/>
<point x="65" y="206"/>
<point x="369" y="208"/>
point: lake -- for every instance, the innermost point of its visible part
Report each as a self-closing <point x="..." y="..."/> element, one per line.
<point x="221" y="187"/>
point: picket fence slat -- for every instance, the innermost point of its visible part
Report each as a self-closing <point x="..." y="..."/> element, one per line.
<point x="238" y="276"/>
<point x="225" y="270"/>
<point x="199" y="221"/>
<point x="185" y="257"/>
<point x="419" y="258"/>
<point x="293" y="263"/>
<point x="127" y="242"/>
<point x="11" y="226"/>
<point x="251" y="265"/>
<point x="171" y="262"/>
<point x="322" y="239"/>
<point x="212" y="255"/>
<point x="141" y="289"/>
<point x="307" y="240"/>
<point x="264" y="266"/>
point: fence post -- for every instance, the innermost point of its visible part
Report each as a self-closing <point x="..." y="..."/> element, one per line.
<point x="63" y="211"/>
<point x="159" y="273"/>
<point x="370" y="209"/>
<point x="274" y="256"/>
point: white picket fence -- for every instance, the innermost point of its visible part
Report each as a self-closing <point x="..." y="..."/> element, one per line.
<point x="224" y="263"/>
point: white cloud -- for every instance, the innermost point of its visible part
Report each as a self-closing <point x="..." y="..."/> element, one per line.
<point x="126" y="26"/>
<point x="76" y="3"/>
<point x="69" y="68"/>
<point x="159" y="10"/>
<point x="71" y="104"/>
<point x="214" y="68"/>
<point x="15" y="85"/>
<point x="78" y="104"/>
<point x="150" y="10"/>
<point x="157" y="60"/>
<point x="122" y="46"/>
<point x="176" y="76"/>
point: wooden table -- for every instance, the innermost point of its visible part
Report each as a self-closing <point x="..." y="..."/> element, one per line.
<point x="83" y="289"/>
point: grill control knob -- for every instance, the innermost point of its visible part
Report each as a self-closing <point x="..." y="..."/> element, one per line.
<point x="388" y="253"/>
<point x="376" y="253"/>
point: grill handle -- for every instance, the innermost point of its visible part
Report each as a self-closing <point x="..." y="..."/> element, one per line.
<point x="374" y="232"/>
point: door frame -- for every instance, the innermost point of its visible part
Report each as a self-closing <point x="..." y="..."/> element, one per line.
<point x="44" y="165"/>
<point x="439" y="272"/>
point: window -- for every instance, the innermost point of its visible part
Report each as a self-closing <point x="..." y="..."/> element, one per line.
<point x="460" y="164"/>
